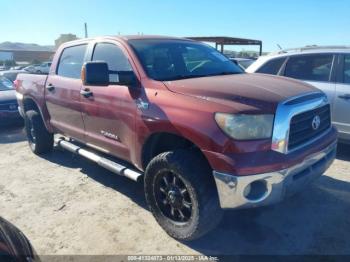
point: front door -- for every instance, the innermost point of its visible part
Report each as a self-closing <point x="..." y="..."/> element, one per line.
<point x="63" y="98"/>
<point x="341" y="116"/>
<point x="109" y="112"/>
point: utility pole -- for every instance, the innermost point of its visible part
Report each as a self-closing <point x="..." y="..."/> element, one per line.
<point x="86" y="31"/>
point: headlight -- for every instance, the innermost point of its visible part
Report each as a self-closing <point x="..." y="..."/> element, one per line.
<point x="245" y="127"/>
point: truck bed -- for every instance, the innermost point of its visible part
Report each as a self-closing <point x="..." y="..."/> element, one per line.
<point x="32" y="86"/>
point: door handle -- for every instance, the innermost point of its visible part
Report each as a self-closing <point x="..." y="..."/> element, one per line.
<point x="86" y="93"/>
<point x="345" y="96"/>
<point x="50" y="87"/>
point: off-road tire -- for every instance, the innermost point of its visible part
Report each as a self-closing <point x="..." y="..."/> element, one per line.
<point x="39" y="139"/>
<point x="194" y="171"/>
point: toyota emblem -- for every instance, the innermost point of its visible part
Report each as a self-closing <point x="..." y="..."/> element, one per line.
<point x="316" y="122"/>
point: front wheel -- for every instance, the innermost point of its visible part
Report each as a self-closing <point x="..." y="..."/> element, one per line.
<point x="39" y="139"/>
<point x="181" y="193"/>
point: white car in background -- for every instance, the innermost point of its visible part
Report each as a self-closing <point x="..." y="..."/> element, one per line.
<point x="31" y="68"/>
<point x="327" y="68"/>
<point x="43" y="68"/>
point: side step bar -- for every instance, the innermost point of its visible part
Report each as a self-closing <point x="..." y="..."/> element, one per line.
<point x="101" y="161"/>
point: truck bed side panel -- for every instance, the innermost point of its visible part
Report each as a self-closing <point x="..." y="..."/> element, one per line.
<point x="32" y="87"/>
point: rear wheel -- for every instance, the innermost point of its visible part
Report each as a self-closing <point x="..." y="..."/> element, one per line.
<point x="181" y="194"/>
<point x="39" y="139"/>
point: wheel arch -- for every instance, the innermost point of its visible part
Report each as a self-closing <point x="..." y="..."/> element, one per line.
<point x="30" y="104"/>
<point x="161" y="142"/>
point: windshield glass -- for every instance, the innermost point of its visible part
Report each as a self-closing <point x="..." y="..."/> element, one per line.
<point x="5" y="84"/>
<point x="179" y="59"/>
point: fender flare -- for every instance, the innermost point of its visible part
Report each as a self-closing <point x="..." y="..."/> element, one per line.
<point x="42" y="111"/>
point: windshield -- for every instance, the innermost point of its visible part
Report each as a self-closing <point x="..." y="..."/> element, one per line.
<point x="5" y="84"/>
<point x="179" y="59"/>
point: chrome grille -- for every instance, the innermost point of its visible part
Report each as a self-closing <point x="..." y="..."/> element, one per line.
<point x="302" y="129"/>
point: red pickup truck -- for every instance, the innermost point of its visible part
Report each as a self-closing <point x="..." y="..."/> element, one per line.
<point x="203" y="135"/>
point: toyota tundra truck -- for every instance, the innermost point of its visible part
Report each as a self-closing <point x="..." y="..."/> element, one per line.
<point x="201" y="134"/>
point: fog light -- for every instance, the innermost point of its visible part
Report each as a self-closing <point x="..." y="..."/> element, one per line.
<point x="247" y="190"/>
<point x="256" y="191"/>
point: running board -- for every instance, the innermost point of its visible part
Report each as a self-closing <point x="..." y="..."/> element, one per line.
<point x="101" y="161"/>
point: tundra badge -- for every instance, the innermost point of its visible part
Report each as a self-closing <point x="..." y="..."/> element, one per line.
<point x="109" y="135"/>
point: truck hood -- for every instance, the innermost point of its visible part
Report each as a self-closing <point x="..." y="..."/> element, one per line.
<point x="256" y="92"/>
<point x="7" y="96"/>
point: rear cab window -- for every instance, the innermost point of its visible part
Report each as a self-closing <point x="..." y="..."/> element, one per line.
<point x="315" y="67"/>
<point x="272" y="67"/>
<point x="71" y="61"/>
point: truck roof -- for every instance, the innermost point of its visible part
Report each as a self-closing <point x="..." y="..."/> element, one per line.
<point x="132" y="37"/>
<point x="126" y="38"/>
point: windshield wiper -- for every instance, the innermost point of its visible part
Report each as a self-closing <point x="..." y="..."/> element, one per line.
<point x="179" y="77"/>
<point x="226" y="73"/>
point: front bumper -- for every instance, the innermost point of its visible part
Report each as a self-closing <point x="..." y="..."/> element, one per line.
<point x="268" y="188"/>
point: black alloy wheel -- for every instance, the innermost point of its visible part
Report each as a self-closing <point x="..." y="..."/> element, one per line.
<point x="172" y="197"/>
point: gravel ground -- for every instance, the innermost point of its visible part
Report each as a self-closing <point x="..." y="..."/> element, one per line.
<point x="67" y="205"/>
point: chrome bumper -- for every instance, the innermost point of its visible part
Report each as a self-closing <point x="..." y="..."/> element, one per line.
<point x="265" y="189"/>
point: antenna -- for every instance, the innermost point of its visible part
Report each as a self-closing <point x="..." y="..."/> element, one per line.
<point x="86" y="31"/>
<point x="279" y="47"/>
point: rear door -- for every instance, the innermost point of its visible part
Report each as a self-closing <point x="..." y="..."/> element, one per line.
<point x="341" y="116"/>
<point x="315" y="69"/>
<point x="109" y="114"/>
<point x="62" y="93"/>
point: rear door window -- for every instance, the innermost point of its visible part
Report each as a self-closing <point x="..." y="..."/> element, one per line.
<point x="310" y="67"/>
<point x="272" y="67"/>
<point x="71" y="61"/>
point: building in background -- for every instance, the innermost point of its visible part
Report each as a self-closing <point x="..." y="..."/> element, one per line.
<point x="22" y="54"/>
<point x="26" y="56"/>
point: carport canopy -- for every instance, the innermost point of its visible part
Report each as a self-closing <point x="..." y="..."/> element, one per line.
<point x="225" y="40"/>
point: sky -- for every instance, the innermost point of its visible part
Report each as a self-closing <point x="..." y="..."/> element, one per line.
<point x="284" y="22"/>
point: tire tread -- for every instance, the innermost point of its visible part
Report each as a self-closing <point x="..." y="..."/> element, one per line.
<point x="44" y="139"/>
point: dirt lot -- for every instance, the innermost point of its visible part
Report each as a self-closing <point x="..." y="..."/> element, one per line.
<point x="67" y="205"/>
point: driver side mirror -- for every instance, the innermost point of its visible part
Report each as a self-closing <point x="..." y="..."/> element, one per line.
<point x="95" y="73"/>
